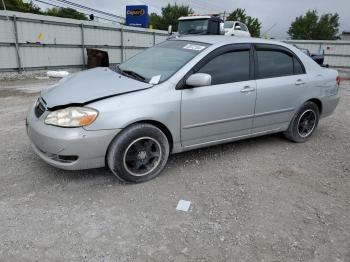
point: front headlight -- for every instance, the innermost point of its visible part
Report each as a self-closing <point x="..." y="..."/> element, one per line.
<point x="72" y="117"/>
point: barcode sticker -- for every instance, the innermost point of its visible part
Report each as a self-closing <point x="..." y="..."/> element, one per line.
<point x="194" y="47"/>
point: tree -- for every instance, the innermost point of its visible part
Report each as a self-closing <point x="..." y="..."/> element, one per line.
<point x="155" y="20"/>
<point x="20" y="6"/>
<point x="170" y="15"/>
<point x="253" y="24"/>
<point x="312" y="27"/>
<point x="66" y="13"/>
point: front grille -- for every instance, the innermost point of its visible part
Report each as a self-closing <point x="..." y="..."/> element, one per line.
<point x="39" y="108"/>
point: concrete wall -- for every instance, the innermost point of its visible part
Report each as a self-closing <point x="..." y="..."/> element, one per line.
<point x="34" y="42"/>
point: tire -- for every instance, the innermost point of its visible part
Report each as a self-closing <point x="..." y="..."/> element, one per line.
<point x="138" y="154"/>
<point x="299" y="130"/>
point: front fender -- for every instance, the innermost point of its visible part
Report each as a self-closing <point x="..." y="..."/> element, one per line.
<point x="155" y="104"/>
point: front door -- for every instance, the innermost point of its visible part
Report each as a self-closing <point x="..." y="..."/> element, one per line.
<point x="225" y="109"/>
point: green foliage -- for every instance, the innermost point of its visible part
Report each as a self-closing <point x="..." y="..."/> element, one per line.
<point x="65" y="13"/>
<point x="155" y="20"/>
<point x="312" y="27"/>
<point x="170" y="15"/>
<point x="253" y="24"/>
<point x="20" y="6"/>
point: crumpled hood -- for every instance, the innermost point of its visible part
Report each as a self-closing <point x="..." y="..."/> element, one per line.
<point x="88" y="86"/>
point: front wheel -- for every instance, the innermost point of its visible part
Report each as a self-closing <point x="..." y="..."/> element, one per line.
<point x="139" y="153"/>
<point x="304" y="123"/>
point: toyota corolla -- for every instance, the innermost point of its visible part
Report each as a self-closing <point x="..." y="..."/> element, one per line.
<point x="182" y="94"/>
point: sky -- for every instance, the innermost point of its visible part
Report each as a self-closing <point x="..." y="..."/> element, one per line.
<point x="275" y="15"/>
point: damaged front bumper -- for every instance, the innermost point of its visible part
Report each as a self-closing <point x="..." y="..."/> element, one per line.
<point x="68" y="148"/>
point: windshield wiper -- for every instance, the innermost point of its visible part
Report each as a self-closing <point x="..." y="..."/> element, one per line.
<point x="132" y="74"/>
<point x="135" y="75"/>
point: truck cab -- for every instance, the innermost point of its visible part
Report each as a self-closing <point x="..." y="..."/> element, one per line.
<point x="200" y="25"/>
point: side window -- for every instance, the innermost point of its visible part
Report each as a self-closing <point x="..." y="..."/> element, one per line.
<point x="243" y="28"/>
<point x="274" y="64"/>
<point x="228" y="67"/>
<point x="298" y="68"/>
<point x="237" y="24"/>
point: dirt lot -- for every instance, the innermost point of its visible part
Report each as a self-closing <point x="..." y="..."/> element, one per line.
<point x="263" y="199"/>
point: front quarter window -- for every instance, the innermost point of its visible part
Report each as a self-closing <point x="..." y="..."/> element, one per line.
<point x="159" y="63"/>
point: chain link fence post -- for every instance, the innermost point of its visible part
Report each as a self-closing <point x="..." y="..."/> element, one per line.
<point x="122" y="45"/>
<point x="19" y="62"/>
<point x="83" y="45"/>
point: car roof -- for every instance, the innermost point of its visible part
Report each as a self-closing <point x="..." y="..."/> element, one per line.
<point x="222" y="39"/>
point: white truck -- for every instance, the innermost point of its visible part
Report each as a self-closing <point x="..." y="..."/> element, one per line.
<point x="236" y="28"/>
<point x="209" y="25"/>
<point x="199" y="25"/>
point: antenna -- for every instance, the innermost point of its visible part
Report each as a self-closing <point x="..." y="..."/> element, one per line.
<point x="270" y="28"/>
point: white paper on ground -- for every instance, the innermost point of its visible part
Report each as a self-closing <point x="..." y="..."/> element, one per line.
<point x="183" y="205"/>
<point x="57" y="73"/>
<point x="42" y="77"/>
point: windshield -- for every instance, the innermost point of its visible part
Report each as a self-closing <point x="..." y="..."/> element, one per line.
<point x="158" y="63"/>
<point x="193" y="26"/>
<point x="228" y="24"/>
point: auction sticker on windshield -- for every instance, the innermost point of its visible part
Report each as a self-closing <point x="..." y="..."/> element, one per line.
<point x="194" y="47"/>
<point x="155" y="80"/>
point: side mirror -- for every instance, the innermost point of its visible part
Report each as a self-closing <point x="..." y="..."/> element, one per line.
<point x="222" y="28"/>
<point x="198" y="80"/>
<point x="170" y="29"/>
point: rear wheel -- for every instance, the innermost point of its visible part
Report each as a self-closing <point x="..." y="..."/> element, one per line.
<point x="139" y="153"/>
<point x="304" y="123"/>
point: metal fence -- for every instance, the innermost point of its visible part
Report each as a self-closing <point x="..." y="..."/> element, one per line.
<point x="34" y="42"/>
<point x="337" y="53"/>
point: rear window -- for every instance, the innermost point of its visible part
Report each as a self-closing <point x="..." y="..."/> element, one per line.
<point x="244" y="27"/>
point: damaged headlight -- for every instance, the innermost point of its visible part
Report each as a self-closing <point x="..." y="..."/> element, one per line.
<point x="72" y="117"/>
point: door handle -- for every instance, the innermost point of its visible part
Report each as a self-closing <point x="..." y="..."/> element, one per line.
<point x="299" y="82"/>
<point x="247" y="89"/>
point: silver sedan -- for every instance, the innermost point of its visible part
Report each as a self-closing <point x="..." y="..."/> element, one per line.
<point x="182" y="94"/>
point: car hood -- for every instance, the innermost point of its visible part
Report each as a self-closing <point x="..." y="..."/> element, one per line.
<point x="88" y="86"/>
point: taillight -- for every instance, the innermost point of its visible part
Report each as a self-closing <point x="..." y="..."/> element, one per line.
<point x="338" y="80"/>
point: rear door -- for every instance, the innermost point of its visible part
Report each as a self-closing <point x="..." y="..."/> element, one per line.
<point x="224" y="109"/>
<point x="281" y="82"/>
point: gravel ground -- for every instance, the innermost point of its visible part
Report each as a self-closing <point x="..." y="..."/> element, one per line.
<point x="262" y="199"/>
